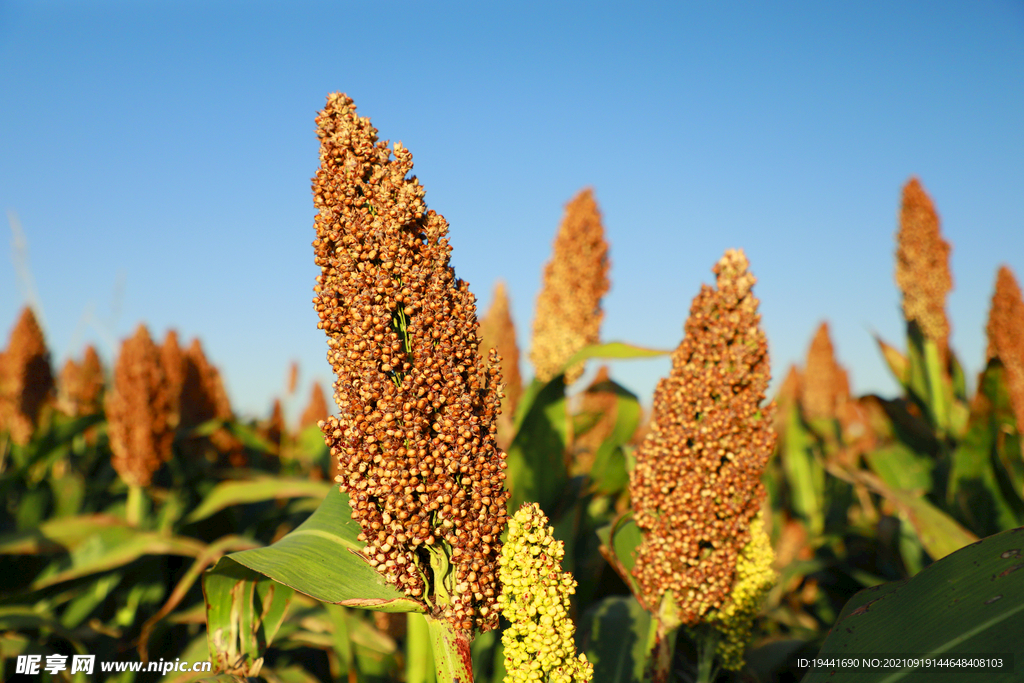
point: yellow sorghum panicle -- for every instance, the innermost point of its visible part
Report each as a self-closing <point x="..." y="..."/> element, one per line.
<point x="569" y="314"/>
<point x="754" y="578"/>
<point x="26" y="379"/>
<point x="415" y="433"/>
<point x="138" y="411"/>
<point x="697" y="485"/>
<point x="497" y="332"/>
<point x="535" y="599"/>
<point x="316" y="410"/>
<point x="80" y="390"/>
<point x="922" y="265"/>
<point x="825" y="385"/>
<point x="1006" y="338"/>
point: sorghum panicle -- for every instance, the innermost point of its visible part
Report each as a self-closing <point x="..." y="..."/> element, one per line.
<point x="825" y="385"/>
<point x="415" y="433"/>
<point x="316" y="410"/>
<point x="173" y="359"/>
<point x="80" y="390"/>
<point x="598" y="400"/>
<point x="568" y="316"/>
<point x="535" y="600"/>
<point x="1005" y="330"/>
<point x="26" y="378"/>
<point x="697" y="485"/>
<point x="922" y="265"/>
<point x="497" y="332"/>
<point x="138" y="411"/>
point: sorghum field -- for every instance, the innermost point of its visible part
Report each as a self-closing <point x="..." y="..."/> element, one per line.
<point x="439" y="518"/>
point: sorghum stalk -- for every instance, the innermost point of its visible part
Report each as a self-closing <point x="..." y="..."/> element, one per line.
<point x="415" y="434"/>
<point x="569" y="314"/>
<point x="696" y="487"/>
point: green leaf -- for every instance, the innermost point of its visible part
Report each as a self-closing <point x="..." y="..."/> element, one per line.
<point x="805" y="476"/>
<point x="896" y="361"/>
<point x="619" y="541"/>
<point x="969" y="604"/>
<point x="608" y="471"/>
<point x="93" y="544"/>
<point x="536" y="458"/>
<point x="230" y="493"/>
<point x="939" y="533"/>
<point x="244" y="611"/>
<point x="322" y="559"/>
<point x="974" y="487"/>
<point x="614" y="351"/>
<point x="614" y="635"/>
<point x="901" y="468"/>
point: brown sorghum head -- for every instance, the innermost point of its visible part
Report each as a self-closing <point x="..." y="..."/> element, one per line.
<point x="497" y="332"/>
<point x="274" y="427"/>
<point x="26" y="379"/>
<point x="173" y="359"/>
<point x="202" y="392"/>
<point x="825" y="384"/>
<point x="415" y="433"/>
<point x="1006" y="338"/>
<point x="293" y="377"/>
<point x="81" y="385"/>
<point x="316" y="410"/>
<point x="697" y="482"/>
<point x="138" y="411"/>
<point x="568" y="316"/>
<point x="922" y="265"/>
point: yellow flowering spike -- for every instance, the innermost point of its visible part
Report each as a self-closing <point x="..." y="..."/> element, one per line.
<point x="535" y="599"/>
<point x="754" y="578"/>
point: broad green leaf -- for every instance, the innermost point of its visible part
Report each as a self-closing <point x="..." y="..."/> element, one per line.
<point x="901" y="468"/>
<point x="804" y="474"/>
<point x="614" y="636"/>
<point x="321" y="559"/>
<point x="608" y="471"/>
<point x="619" y="541"/>
<point x="939" y="533"/>
<point x="93" y="544"/>
<point x="244" y="611"/>
<point x="614" y="351"/>
<point x="969" y="604"/>
<point x="536" y="459"/>
<point x="974" y="488"/>
<point x="230" y="493"/>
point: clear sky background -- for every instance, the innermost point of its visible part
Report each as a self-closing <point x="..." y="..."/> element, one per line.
<point x="158" y="157"/>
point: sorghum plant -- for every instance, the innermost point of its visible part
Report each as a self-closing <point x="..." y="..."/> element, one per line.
<point x="696" y="488"/>
<point x="26" y="380"/>
<point x="498" y="332"/>
<point x="568" y="315"/>
<point x="80" y="390"/>
<point x="138" y="414"/>
<point x="1006" y="338"/>
<point x="415" y="433"/>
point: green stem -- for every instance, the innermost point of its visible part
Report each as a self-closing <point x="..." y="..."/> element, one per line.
<point x="707" y="643"/>
<point x="452" y="659"/>
<point x="936" y="387"/>
<point x="418" y="659"/>
<point x="135" y="505"/>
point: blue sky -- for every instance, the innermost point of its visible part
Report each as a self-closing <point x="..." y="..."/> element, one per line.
<point x="158" y="157"/>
